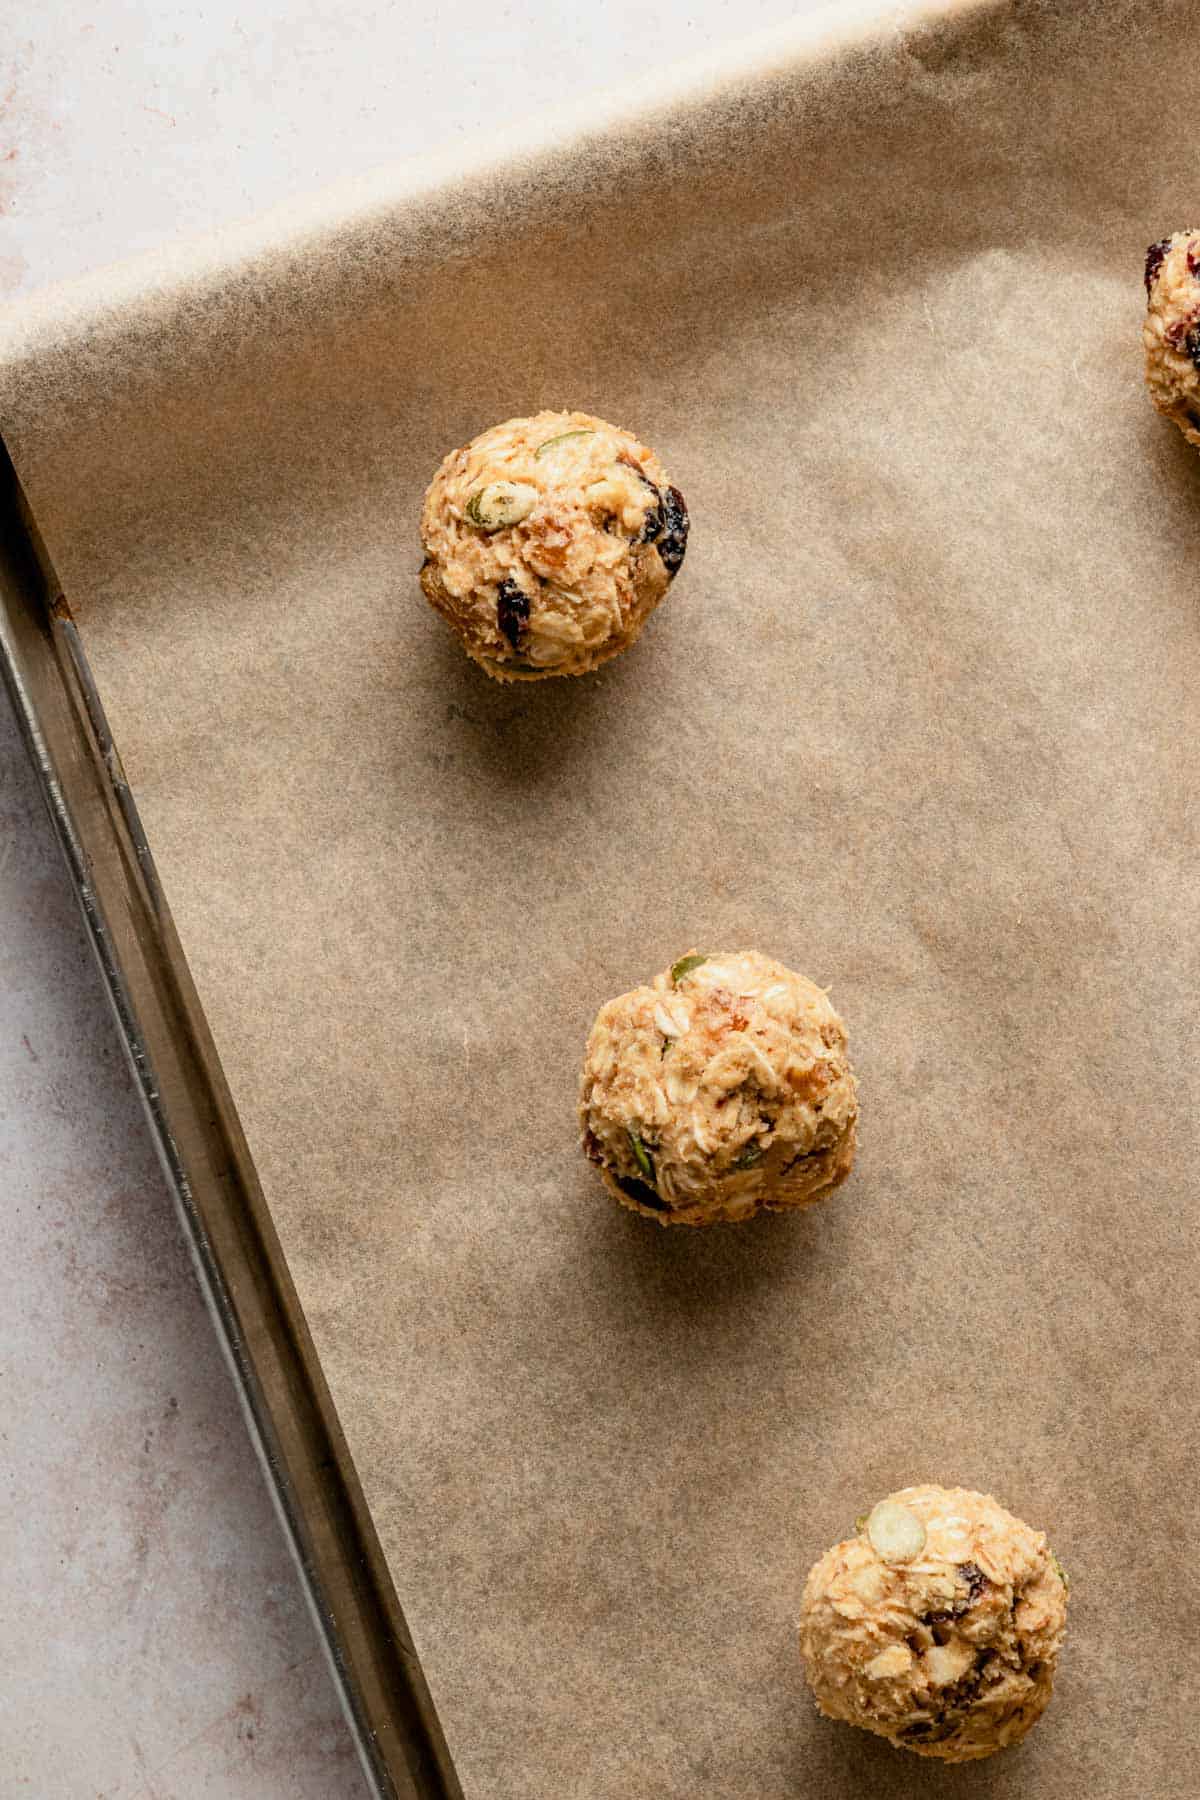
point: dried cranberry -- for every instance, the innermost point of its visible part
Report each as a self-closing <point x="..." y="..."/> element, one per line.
<point x="653" y="525"/>
<point x="642" y="1193"/>
<point x="931" y="1731"/>
<point x="1154" y="260"/>
<point x="512" y="611"/>
<point x="652" y="528"/>
<point x="591" y="1147"/>
<point x="653" y="522"/>
<point x="676" y="524"/>
<point x="976" y="1581"/>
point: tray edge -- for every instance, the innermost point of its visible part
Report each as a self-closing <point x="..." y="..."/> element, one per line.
<point x="239" y="1262"/>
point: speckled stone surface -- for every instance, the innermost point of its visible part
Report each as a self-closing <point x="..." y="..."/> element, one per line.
<point x="153" y="1638"/>
<point x="153" y="1641"/>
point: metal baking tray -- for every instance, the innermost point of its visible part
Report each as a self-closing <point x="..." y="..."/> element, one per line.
<point x="203" y="1153"/>
<point x="899" y="270"/>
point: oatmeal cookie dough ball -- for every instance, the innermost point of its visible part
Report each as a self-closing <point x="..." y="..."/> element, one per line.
<point x="549" y="542"/>
<point x="938" y="1626"/>
<point x="1171" y="332"/>
<point x="721" y="1090"/>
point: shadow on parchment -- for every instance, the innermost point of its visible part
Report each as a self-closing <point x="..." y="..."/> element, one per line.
<point x="521" y="734"/>
<point x="837" y="1762"/>
<point x="1174" y="466"/>
<point x="679" y="1274"/>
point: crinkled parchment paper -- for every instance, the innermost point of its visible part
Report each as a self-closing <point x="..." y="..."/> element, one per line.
<point x="919" y="718"/>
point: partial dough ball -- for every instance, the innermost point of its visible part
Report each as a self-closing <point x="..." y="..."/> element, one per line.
<point x="549" y="542"/>
<point x="721" y="1090"/>
<point x="1171" y="333"/>
<point x="938" y="1626"/>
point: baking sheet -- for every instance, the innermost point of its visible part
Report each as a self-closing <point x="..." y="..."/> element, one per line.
<point x="239" y="1264"/>
<point x="917" y="718"/>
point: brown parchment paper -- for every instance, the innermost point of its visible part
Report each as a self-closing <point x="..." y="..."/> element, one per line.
<point x="919" y="718"/>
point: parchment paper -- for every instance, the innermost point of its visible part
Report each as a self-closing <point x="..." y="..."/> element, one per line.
<point x="918" y="718"/>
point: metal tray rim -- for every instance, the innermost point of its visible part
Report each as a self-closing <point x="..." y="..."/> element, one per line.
<point x="238" y="1260"/>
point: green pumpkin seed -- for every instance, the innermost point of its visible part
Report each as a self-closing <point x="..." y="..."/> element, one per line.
<point x="562" y="438"/>
<point x="641" y="1155"/>
<point x="500" y="503"/>
<point x="749" y="1157"/>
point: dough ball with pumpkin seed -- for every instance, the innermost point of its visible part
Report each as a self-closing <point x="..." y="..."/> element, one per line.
<point x="719" y="1090"/>
<point x="938" y="1625"/>
<point x="548" y="543"/>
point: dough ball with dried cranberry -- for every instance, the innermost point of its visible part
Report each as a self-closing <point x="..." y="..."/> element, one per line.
<point x="548" y="542"/>
<point x="937" y="1626"/>
<point x="719" y="1090"/>
<point x="1171" y="333"/>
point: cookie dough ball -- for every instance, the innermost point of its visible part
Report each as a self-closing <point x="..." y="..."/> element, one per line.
<point x="938" y="1626"/>
<point x="1171" y="333"/>
<point x="549" y="542"/>
<point x="721" y="1090"/>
